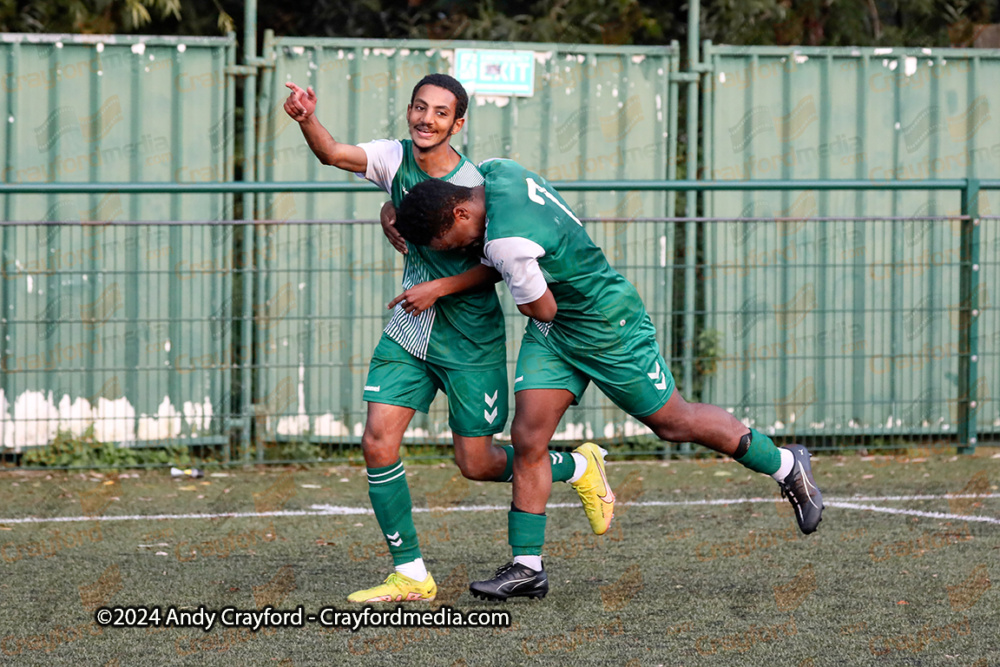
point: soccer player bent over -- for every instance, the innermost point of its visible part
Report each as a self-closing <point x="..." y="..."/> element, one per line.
<point x="587" y="324"/>
<point x="433" y="342"/>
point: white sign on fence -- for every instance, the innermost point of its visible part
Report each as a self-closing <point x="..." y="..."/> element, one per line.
<point x="489" y="72"/>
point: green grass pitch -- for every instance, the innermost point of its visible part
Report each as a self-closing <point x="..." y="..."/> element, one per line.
<point x="899" y="573"/>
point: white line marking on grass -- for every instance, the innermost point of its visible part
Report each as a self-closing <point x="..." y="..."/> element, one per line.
<point x="944" y="496"/>
<point x="342" y="510"/>
<point x="930" y="515"/>
<point x="158" y="517"/>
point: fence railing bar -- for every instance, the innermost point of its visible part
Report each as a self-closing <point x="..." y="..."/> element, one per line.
<point x="227" y="223"/>
<point x="568" y="186"/>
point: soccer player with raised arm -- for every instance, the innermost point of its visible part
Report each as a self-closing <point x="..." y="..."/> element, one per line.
<point x="446" y="333"/>
<point x="587" y="323"/>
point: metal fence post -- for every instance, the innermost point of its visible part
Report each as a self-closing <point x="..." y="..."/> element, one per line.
<point x="691" y="206"/>
<point x="968" y="335"/>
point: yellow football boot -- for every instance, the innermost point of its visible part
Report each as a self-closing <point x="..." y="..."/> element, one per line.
<point x="397" y="588"/>
<point x="595" y="492"/>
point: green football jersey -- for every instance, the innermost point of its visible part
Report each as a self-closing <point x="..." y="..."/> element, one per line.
<point x="536" y="243"/>
<point x="461" y="330"/>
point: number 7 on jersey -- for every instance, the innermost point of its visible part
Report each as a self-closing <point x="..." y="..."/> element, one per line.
<point x="535" y="188"/>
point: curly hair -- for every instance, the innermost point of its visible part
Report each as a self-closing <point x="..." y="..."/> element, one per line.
<point x="450" y="84"/>
<point x="428" y="211"/>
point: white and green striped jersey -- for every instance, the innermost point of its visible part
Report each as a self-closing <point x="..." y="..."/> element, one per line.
<point x="536" y="243"/>
<point x="462" y="330"/>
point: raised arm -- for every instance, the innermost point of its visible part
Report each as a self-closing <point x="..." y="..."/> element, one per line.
<point x="301" y="106"/>
<point x="421" y="297"/>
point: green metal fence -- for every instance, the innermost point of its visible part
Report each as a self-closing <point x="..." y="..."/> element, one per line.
<point x="820" y="341"/>
<point x="802" y="382"/>
<point x="91" y="310"/>
<point x="255" y="335"/>
<point x="106" y="108"/>
<point x="882" y="115"/>
<point x="143" y="363"/>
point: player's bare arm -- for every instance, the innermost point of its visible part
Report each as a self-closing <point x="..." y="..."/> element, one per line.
<point x="543" y="309"/>
<point x="301" y="106"/>
<point x="422" y="296"/>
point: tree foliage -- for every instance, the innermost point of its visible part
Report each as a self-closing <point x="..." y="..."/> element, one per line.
<point x="781" y="22"/>
<point x="86" y="16"/>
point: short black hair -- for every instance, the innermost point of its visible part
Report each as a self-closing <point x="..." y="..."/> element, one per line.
<point x="428" y="211"/>
<point x="450" y="84"/>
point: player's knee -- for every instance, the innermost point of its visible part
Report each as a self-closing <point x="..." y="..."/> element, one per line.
<point x="526" y="441"/>
<point x="677" y="426"/>
<point x="671" y="432"/>
<point x="369" y="440"/>
<point x="378" y="450"/>
<point x="475" y="469"/>
<point x="537" y="455"/>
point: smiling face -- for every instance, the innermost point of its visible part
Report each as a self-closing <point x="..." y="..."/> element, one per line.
<point x="431" y="117"/>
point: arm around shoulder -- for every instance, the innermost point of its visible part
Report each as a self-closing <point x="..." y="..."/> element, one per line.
<point x="422" y="296"/>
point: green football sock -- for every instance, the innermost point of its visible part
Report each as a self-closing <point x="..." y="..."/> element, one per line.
<point x="390" y="496"/>
<point x="761" y="454"/>
<point x="508" y="469"/>
<point x="525" y="532"/>
<point x="563" y="465"/>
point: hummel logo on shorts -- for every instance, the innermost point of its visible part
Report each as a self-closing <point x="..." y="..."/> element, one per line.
<point x="658" y="375"/>
<point x="490" y="400"/>
<point x="369" y="387"/>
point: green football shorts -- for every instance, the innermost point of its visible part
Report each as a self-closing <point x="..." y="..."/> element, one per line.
<point x="634" y="376"/>
<point x="477" y="398"/>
